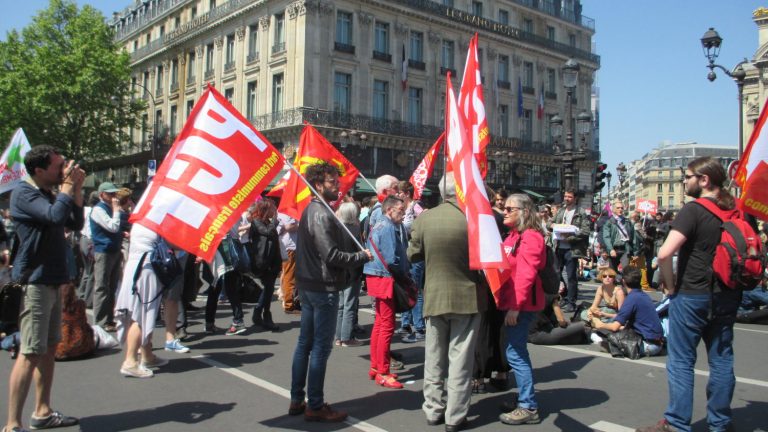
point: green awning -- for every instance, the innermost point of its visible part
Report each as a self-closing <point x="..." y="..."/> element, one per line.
<point x="533" y="194"/>
<point x="361" y="186"/>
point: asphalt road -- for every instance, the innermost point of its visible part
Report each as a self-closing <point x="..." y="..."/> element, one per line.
<point x="240" y="383"/>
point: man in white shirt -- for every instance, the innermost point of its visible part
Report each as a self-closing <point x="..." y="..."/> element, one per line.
<point x="107" y="241"/>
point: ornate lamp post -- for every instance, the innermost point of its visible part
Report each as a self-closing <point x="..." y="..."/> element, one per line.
<point x="710" y="43"/>
<point x="568" y="155"/>
<point x="621" y="170"/>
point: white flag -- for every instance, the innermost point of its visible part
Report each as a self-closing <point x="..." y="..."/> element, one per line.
<point x="12" y="168"/>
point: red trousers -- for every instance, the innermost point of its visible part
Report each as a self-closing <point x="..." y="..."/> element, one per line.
<point x="381" y="336"/>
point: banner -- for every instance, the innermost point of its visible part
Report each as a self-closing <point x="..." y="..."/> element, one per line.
<point x="12" y="169"/>
<point x="472" y="105"/>
<point x="215" y="169"/>
<point x="752" y="173"/>
<point x="314" y="148"/>
<point x="423" y="172"/>
<point x="485" y="245"/>
<point x="647" y="206"/>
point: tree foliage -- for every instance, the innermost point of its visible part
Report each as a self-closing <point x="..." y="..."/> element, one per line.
<point x="66" y="82"/>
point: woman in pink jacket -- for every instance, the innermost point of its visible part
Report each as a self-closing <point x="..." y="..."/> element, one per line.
<point x="522" y="297"/>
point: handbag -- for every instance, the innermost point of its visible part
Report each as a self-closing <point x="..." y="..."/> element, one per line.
<point x="625" y="343"/>
<point x="238" y="254"/>
<point x="405" y="292"/>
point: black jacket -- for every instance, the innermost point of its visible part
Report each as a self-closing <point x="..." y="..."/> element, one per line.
<point x="321" y="262"/>
<point x="265" y="248"/>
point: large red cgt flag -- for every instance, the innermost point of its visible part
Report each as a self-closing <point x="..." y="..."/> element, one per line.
<point x="423" y="172"/>
<point x="214" y="170"/>
<point x="472" y="105"/>
<point x="314" y="148"/>
<point x="485" y="247"/>
<point x="752" y="174"/>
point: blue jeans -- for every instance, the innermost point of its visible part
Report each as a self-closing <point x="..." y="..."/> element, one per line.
<point x="318" y="323"/>
<point x="753" y="300"/>
<point x="689" y="322"/>
<point x="415" y="317"/>
<point x="520" y="361"/>
<point x="348" y="304"/>
<point x="565" y="259"/>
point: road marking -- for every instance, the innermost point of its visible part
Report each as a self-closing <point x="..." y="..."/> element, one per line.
<point x="285" y="393"/>
<point x="750" y="330"/>
<point x="605" y="426"/>
<point x="649" y="363"/>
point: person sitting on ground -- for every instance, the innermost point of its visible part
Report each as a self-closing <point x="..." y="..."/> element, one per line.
<point x="552" y="328"/>
<point x="638" y="312"/>
<point x="608" y="293"/>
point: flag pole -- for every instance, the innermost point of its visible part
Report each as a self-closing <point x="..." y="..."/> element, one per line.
<point x="369" y="183"/>
<point x="328" y="207"/>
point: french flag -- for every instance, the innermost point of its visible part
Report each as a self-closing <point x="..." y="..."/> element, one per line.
<point x="404" y="70"/>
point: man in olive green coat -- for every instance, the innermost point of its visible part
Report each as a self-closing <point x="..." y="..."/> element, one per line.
<point x="453" y="302"/>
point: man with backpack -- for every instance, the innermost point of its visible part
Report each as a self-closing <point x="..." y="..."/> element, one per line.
<point x="701" y="305"/>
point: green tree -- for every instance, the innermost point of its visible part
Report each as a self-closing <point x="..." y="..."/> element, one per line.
<point x="66" y="82"/>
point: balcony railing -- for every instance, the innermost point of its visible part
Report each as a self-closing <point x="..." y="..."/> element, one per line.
<point x="229" y="67"/>
<point x="174" y="86"/>
<point x="550" y="95"/>
<point x="252" y="57"/>
<point x="504" y="84"/>
<point x="278" y="47"/>
<point x="342" y="47"/>
<point x="326" y="118"/>
<point x="445" y="70"/>
<point x="548" y="7"/>
<point x="382" y="56"/>
<point x="528" y="90"/>
<point x="416" y="64"/>
<point x="191" y="80"/>
<point x="159" y="91"/>
<point x="208" y="74"/>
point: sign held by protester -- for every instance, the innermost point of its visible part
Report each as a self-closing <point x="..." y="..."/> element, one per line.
<point x="647" y="206"/>
<point x="218" y="165"/>
<point x="12" y="169"/>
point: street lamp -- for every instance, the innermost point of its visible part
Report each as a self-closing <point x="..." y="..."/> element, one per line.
<point x="621" y="170"/>
<point x="568" y="155"/>
<point x="710" y="43"/>
<point x="155" y="130"/>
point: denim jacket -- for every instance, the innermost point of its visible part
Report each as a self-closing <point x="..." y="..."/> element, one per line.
<point x="391" y="243"/>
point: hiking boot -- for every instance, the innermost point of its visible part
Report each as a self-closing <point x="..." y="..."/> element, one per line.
<point x="324" y="415"/>
<point x="661" y="426"/>
<point x="520" y="416"/>
<point x="235" y="329"/>
<point x="176" y="346"/>
<point x="53" y="420"/>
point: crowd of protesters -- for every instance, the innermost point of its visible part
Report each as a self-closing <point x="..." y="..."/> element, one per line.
<point x="472" y="336"/>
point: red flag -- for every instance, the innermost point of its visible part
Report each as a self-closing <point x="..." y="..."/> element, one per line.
<point x="215" y="169"/>
<point x="485" y="246"/>
<point x="472" y="105"/>
<point x="314" y="148"/>
<point x="540" y="106"/>
<point x="277" y="189"/>
<point x="424" y="171"/>
<point x="752" y="173"/>
<point x="404" y="71"/>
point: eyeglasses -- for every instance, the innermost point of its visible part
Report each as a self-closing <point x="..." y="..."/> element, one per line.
<point x="511" y="209"/>
<point x="609" y="276"/>
<point x="688" y="176"/>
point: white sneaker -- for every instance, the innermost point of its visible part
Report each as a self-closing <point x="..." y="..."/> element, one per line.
<point x="136" y="371"/>
<point x="595" y="338"/>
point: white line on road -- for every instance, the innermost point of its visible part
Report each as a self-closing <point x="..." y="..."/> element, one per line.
<point x="605" y="426"/>
<point x="750" y="330"/>
<point x="285" y="393"/>
<point x="650" y="363"/>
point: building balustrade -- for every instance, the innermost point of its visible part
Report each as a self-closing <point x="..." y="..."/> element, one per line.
<point x="191" y="80"/>
<point x="382" y="56"/>
<point x="174" y="86"/>
<point x="229" y="67"/>
<point x="278" y="48"/>
<point x="252" y="57"/>
<point x="342" y="47"/>
<point x="208" y="74"/>
<point x="416" y="64"/>
<point x="528" y="90"/>
<point x="503" y="84"/>
<point x="550" y="95"/>
<point x="445" y="70"/>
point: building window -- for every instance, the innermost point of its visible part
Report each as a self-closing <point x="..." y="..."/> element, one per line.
<point x="503" y="120"/>
<point x="671" y="187"/>
<point x="527" y="125"/>
<point x="159" y="81"/>
<point x="190" y="107"/>
<point x="344" y="27"/>
<point x="191" y="66"/>
<point x="659" y="188"/>
<point x="414" y="105"/>
<point x="380" y="99"/>
<point x="342" y="89"/>
<point x="279" y="33"/>
<point x="277" y="93"/>
<point x="503" y="71"/>
<point x="548" y="130"/>
<point x="250" y="108"/>
<point x="446" y="58"/>
<point x="528" y="25"/>
<point x="229" y="95"/>
<point x="381" y="43"/>
<point x="147" y="85"/>
<point x="193" y="13"/>
<point x="177" y="22"/>
<point x="477" y="8"/>
<point x="659" y="202"/>
<point x="253" y="42"/>
<point x="572" y="40"/>
<point x="503" y="17"/>
<point x="175" y="72"/>
<point x="209" y="59"/>
<point x="230" y="53"/>
<point x="211" y="4"/>
<point x="527" y="75"/>
<point x="172" y="120"/>
<point x="551" y="80"/>
<point x="158" y="123"/>
<point x="448" y="3"/>
<point x="162" y="32"/>
<point x="550" y="33"/>
<point x="417" y="46"/>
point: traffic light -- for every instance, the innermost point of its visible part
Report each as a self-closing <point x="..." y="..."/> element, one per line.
<point x="599" y="176"/>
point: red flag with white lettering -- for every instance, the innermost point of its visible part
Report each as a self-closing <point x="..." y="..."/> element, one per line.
<point x="314" y="148"/>
<point x="472" y="105"/>
<point x="485" y="246"/>
<point x="752" y="173"/>
<point x="217" y="166"/>
<point x="423" y="172"/>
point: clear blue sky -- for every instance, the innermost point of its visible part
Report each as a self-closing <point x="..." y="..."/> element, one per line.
<point x="653" y="79"/>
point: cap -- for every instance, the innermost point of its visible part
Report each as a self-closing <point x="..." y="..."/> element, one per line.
<point x="108" y="187"/>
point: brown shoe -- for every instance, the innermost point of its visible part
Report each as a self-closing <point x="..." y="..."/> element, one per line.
<point x="297" y="408"/>
<point x="293" y="311"/>
<point x="661" y="426"/>
<point x="324" y="415"/>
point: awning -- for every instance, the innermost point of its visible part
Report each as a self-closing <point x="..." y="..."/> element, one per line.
<point x="361" y="186"/>
<point x="533" y="194"/>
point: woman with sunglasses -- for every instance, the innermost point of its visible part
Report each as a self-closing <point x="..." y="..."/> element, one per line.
<point x="609" y="294"/>
<point x="522" y="297"/>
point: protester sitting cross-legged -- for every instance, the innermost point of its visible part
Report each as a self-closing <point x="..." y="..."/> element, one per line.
<point x="608" y="298"/>
<point x="390" y="260"/>
<point x="266" y="261"/>
<point x="552" y="328"/>
<point x="522" y="297"/>
<point x="638" y="313"/>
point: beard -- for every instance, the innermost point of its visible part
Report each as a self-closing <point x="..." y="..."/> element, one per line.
<point x="694" y="191"/>
<point x="330" y="195"/>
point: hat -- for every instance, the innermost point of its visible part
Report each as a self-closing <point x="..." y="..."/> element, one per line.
<point x="108" y="187"/>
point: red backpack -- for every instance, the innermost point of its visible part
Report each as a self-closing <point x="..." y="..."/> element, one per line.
<point x="739" y="258"/>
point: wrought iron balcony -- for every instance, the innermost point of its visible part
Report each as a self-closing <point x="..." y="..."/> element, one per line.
<point x="278" y="48"/>
<point x="416" y="64"/>
<point x="528" y="90"/>
<point x="503" y="84"/>
<point x="229" y="67"/>
<point x="550" y="95"/>
<point x="208" y="74"/>
<point x="174" y="86"/>
<point x="252" y="57"/>
<point x="342" y="47"/>
<point x="191" y="80"/>
<point x="382" y="56"/>
<point x="445" y="70"/>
